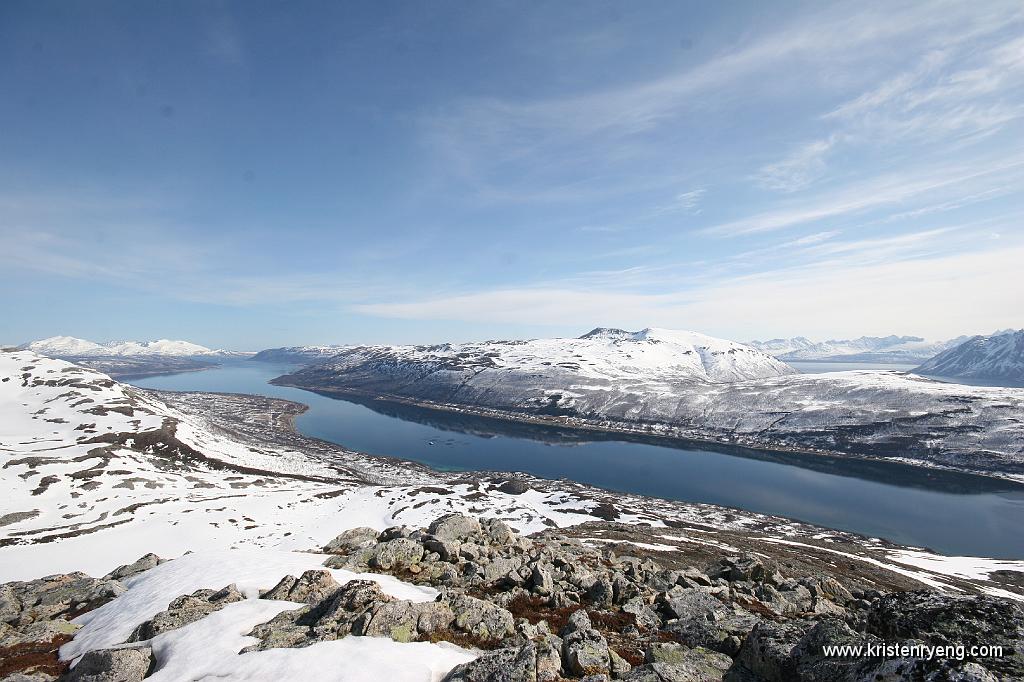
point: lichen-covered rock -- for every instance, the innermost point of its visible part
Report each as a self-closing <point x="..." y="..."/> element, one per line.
<point x="503" y="665"/>
<point x="64" y="595"/>
<point x="481" y="618"/>
<point x="352" y="539"/>
<point x="113" y="665"/>
<point x="584" y="649"/>
<point x="397" y="553"/>
<point x="184" y="610"/>
<point x="311" y="587"/>
<point x="454" y="527"/>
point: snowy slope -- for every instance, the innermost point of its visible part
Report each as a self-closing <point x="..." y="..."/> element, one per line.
<point x="684" y="385"/>
<point x="998" y="357"/>
<point x="69" y="346"/>
<point x="96" y="473"/>
<point x="882" y="349"/>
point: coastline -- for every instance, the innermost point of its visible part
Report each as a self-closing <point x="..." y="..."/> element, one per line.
<point x="654" y="431"/>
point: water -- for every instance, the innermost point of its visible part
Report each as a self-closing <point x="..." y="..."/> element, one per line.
<point x="948" y="512"/>
<point x="811" y="367"/>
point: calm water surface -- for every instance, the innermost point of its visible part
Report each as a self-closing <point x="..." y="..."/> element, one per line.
<point x="952" y="513"/>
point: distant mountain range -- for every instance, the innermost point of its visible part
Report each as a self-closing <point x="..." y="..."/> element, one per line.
<point x="998" y="357"/>
<point x="881" y="349"/>
<point x="124" y="359"/>
<point x="69" y="346"/>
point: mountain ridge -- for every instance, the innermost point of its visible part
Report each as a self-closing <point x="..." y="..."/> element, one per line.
<point x="997" y="357"/>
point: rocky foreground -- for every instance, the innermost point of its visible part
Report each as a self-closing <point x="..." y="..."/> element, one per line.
<point x="543" y="607"/>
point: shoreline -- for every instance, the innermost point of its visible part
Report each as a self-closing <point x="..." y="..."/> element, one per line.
<point x="666" y="432"/>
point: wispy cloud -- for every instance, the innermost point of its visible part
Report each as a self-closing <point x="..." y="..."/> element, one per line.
<point x="957" y="93"/>
<point x="799" y="169"/>
<point x="893" y="189"/>
<point x="685" y="202"/>
<point x="600" y="127"/>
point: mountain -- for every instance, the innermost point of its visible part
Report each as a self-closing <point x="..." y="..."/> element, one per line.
<point x="998" y="358"/>
<point x="132" y="359"/>
<point x="298" y="354"/>
<point x="879" y="349"/>
<point x="69" y="346"/>
<point x="690" y="386"/>
<point x="601" y="354"/>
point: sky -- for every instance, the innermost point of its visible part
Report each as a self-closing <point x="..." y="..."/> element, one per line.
<point x="255" y="174"/>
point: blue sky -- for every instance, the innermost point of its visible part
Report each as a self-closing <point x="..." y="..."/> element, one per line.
<point x="259" y="173"/>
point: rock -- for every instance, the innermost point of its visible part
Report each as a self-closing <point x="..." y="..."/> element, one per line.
<point x="744" y="567"/>
<point x="503" y="665"/>
<point x="113" y="665"/>
<point x="351" y="540"/>
<point x="549" y="658"/>
<point x="62" y="595"/>
<point x="645" y="617"/>
<point x="513" y="487"/>
<point x="184" y="610"/>
<point x="480" y="618"/>
<point x="587" y="655"/>
<point x="584" y="649"/>
<point x="768" y="650"/>
<point x="140" y="565"/>
<point x="397" y="553"/>
<point x="703" y="620"/>
<point x="446" y="550"/>
<point x="502" y="570"/>
<point x="38" y="631"/>
<point x="678" y="663"/>
<point x="498" y="532"/>
<point x="454" y="527"/>
<point x="939" y="618"/>
<point x="311" y="587"/>
<point x="540" y="579"/>
<point x="619" y="667"/>
<point x="396" y="619"/>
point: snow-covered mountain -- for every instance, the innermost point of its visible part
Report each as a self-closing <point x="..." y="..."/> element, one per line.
<point x="999" y="357"/>
<point x="602" y="354"/>
<point x="691" y="386"/>
<point x="69" y="346"/>
<point x="880" y="349"/>
<point x="298" y="354"/>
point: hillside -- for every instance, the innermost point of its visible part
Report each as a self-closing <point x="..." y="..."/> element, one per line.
<point x="430" y="572"/>
<point x="997" y="358"/>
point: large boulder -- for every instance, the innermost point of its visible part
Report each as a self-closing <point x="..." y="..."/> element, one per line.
<point x="311" y="587"/>
<point x="113" y="665"/>
<point x="454" y="527"/>
<point x="351" y="540"/>
<point x="397" y="553"/>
